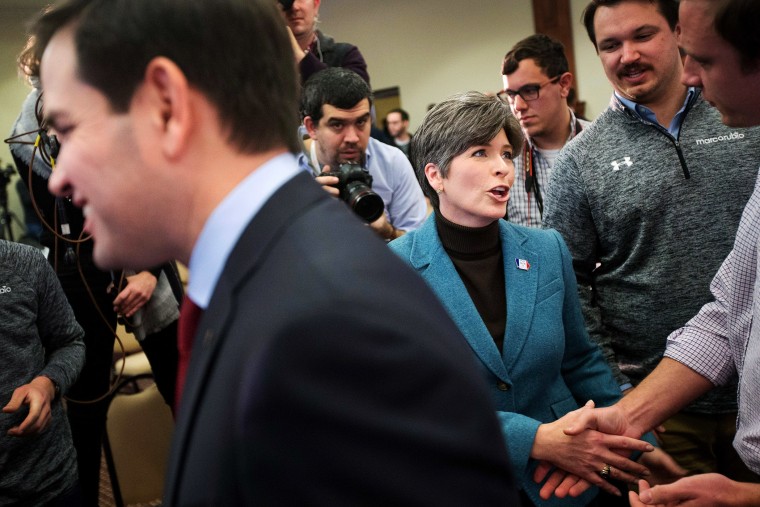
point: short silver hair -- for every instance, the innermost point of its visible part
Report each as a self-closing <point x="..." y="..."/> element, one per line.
<point x="456" y="124"/>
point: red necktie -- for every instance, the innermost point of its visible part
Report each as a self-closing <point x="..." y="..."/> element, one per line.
<point x="189" y="315"/>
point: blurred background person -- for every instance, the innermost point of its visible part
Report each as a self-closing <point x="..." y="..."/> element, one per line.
<point x="313" y="50"/>
<point x="397" y="123"/>
<point x="41" y="355"/>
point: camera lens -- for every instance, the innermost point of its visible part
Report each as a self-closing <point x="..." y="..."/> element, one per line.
<point x="364" y="202"/>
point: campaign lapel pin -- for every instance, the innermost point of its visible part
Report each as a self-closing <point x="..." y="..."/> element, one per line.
<point x="522" y="264"/>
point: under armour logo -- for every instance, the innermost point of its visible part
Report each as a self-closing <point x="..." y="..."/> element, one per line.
<point x="616" y="165"/>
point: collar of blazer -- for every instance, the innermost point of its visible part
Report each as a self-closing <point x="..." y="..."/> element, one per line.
<point x="431" y="261"/>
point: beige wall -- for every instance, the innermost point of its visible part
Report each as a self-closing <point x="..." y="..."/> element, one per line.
<point x="433" y="48"/>
<point x="429" y="48"/>
<point x="594" y="87"/>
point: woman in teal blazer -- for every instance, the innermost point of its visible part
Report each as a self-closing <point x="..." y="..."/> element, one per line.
<point x="512" y="292"/>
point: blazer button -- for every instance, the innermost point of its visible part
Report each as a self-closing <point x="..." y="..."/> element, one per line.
<point x="502" y="386"/>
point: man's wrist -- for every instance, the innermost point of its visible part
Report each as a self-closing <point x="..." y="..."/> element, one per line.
<point x="630" y="408"/>
<point x="56" y="390"/>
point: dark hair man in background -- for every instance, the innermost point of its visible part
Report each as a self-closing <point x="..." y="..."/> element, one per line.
<point x="321" y="369"/>
<point x="537" y="84"/>
<point x="397" y="123"/>
<point x="336" y="107"/>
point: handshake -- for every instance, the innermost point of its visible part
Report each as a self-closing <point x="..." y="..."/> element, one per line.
<point x="589" y="446"/>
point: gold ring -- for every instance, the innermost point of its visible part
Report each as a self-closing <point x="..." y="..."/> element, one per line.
<point x="605" y="472"/>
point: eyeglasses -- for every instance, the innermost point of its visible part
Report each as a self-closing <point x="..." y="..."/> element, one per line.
<point x="528" y="92"/>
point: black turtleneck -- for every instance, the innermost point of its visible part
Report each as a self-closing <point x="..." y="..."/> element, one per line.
<point x="476" y="254"/>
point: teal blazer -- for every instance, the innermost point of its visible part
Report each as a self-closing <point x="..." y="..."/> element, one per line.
<point x="549" y="365"/>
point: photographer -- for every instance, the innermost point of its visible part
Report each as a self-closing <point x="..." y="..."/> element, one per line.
<point x="315" y="51"/>
<point x="336" y="107"/>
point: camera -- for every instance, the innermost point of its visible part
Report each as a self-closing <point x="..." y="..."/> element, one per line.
<point x="286" y="4"/>
<point x="355" y="187"/>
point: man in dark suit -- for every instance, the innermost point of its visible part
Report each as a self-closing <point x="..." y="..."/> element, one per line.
<point x="323" y="372"/>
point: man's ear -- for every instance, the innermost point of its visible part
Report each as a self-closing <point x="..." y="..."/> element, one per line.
<point x="168" y="99"/>
<point x="434" y="176"/>
<point x="311" y="127"/>
<point x="565" y="83"/>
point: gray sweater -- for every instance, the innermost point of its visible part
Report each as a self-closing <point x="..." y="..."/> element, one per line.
<point x="38" y="336"/>
<point x="620" y="196"/>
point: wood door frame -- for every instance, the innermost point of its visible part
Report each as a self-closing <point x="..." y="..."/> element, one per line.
<point x="554" y="18"/>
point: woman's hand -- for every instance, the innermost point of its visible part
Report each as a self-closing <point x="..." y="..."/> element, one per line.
<point x="585" y="454"/>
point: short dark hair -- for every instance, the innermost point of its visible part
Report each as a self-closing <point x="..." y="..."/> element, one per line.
<point x="454" y="125"/>
<point x="737" y="21"/>
<point x="404" y="114"/>
<point x="236" y="52"/>
<point x="548" y="53"/>
<point x="336" y="86"/>
<point x="668" y="9"/>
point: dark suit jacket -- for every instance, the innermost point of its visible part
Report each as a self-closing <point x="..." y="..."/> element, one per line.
<point x="325" y="372"/>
